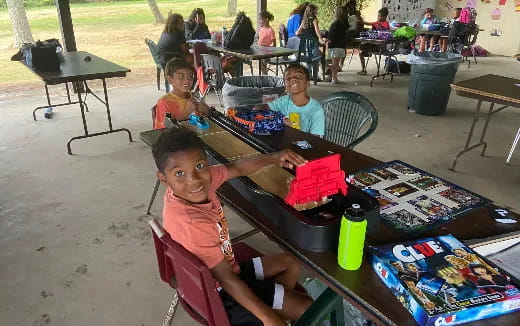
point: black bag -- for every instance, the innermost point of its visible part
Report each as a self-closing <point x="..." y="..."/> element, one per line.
<point x="44" y="56"/>
<point x="241" y="35"/>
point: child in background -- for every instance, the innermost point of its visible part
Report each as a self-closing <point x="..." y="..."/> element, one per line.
<point x="266" y="35"/>
<point x="310" y="26"/>
<point x="257" y="292"/>
<point x="195" y="28"/>
<point x="338" y="41"/>
<point x="366" y="49"/>
<point x="179" y="102"/>
<point x="300" y="111"/>
<point x="428" y="19"/>
<point x="443" y="41"/>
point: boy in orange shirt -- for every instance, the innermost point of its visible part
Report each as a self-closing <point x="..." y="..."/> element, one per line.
<point x="179" y="102"/>
<point x="255" y="292"/>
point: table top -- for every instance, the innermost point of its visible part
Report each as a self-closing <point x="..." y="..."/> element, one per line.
<point x="255" y="52"/>
<point x="492" y="86"/>
<point x="363" y="286"/>
<point x="75" y="68"/>
<point x="374" y="41"/>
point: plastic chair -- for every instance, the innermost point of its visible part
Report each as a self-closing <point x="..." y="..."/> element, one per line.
<point x="154" y="50"/>
<point x="198" y="294"/>
<point x="308" y="52"/>
<point x="346" y="115"/>
<point x="213" y="75"/>
<point x="283" y="62"/>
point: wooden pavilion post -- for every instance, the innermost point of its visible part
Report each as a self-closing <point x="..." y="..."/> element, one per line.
<point x="260" y="5"/>
<point x="67" y="29"/>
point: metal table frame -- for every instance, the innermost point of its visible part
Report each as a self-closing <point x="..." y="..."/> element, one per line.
<point x="378" y="56"/>
<point x="79" y="82"/>
<point x="494" y="98"/>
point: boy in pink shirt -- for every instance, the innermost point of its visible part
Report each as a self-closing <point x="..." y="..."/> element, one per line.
<point x="257" y="292"/>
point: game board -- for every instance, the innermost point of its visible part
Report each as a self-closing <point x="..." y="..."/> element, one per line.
<point x="412" y="200"/>
<point x="440" y="281"/>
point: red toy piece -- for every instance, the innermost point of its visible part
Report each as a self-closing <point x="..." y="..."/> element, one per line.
<point x="317" y="179"/>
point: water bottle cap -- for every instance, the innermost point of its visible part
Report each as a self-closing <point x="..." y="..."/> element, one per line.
<point x="356" y="206"/>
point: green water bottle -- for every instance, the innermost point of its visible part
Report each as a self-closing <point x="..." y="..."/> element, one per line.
<point x="352" y="238"/>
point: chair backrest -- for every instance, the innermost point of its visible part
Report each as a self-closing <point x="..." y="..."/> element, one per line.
<point x="293" y="43"/>
<point x="154" y="50"/>
<point x="213" y="70"/>
<point x="282" y="35"/>
<point x="194" y="282"/>
<point x="346" y="115"/>
<point x="308" y="50"/>
<point x="199" y="48"/>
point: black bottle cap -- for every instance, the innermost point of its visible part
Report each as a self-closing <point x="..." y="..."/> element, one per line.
<point x="355" y="213"/>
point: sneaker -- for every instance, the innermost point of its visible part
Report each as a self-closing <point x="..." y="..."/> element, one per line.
<point x="362" y="72"/>
<point x="336" y="82"/>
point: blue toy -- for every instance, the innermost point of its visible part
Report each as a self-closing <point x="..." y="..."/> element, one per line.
<point x="198" y="121"/>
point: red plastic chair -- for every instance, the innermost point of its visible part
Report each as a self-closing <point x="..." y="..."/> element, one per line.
<point x="192" y="279"/>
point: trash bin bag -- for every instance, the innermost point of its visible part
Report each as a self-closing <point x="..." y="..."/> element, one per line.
<point x="430" y="79"/>
<point x="252" y="90"/>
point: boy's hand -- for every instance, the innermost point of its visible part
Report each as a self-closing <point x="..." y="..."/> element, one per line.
<point x="287" y="159"/>
<point x="202" y="108"/>
<point x="191" y="106"/>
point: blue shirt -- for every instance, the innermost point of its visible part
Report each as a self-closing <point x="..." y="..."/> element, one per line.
<point x="293" y="24"/>
<point x="311" y="116"/>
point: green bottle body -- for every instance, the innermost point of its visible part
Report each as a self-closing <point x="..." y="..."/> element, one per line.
<point x="352" y="238"/>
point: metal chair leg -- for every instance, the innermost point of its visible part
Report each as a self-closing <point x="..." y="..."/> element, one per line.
<point x="171" y="310"/>
<point x="154" y="193"/>
<point x="515" y="142"/>
<point x="158" y="79"/>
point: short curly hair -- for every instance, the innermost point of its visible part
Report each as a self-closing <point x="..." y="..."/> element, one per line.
<point x="174" y="140"/>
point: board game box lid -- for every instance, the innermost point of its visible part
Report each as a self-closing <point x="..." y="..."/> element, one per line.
<point x="439" y="277"/>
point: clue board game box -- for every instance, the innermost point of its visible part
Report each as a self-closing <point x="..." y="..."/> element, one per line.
<point x="412" y="200"/>
<point x="440" y="281"/>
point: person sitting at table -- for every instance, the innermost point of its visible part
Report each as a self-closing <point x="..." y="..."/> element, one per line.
<point x="266" y="35"/>
<point x="172" y="42"/>
<point x="300" y="110"/>
<point x="293" y="23"/>
<point x="366" y="50"/>
<point x="179" y="102"/>
<point x="260" y="291"/>
<point x="338" y="41"/>
<point x="195" y="27"/>
<point x="428" y="19"/>
<point x="455" y="17"/>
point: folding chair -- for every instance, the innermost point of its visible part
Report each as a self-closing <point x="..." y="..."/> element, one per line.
<point x="213" y="75"/>
<point x="154" y="50"/>
<point x="197" y="293"/>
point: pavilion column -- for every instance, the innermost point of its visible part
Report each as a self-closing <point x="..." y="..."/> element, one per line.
<point x="260" y="5"/>
<point x="67" y="29"/>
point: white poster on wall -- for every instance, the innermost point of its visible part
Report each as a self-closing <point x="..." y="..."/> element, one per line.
<point x="407" y="10"/>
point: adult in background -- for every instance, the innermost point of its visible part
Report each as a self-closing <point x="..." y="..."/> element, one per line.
<point x="195" y="27"/>
<point x="172" y="42"/>
<point x="295" y="18"/>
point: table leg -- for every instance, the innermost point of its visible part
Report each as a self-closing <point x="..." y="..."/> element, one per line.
<point x="377" y="59"/>
<point x="49" y="104"/>
<point x="488" y="117"/>
<point x="467" y="148"/>
<point x="105" y="102"/>
<point x="259" y="67"/>
<point x="515" y="142"/>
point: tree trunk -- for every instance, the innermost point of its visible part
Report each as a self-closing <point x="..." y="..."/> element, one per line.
<point x="231" y="8"/>
<point x="21" y="29"/>
<point x="159" y="18"/>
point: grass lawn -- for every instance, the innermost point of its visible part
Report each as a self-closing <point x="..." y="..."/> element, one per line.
<point x="116" y="31"/>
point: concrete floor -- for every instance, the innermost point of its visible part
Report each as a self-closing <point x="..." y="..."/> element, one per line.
<point x="76" y="249"/>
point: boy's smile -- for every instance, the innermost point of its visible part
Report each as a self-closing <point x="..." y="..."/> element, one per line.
<point x="188" y="174"/>
<point x="296" y="81"/>
<point x="182" y="81"/>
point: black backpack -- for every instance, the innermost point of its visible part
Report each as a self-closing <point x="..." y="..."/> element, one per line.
<point x="241" y="35"/>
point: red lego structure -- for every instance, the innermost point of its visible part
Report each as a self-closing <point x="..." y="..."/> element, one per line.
<point x="317" y="179"/>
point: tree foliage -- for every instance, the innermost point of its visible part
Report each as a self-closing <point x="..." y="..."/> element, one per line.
<point x="326" y="8"/>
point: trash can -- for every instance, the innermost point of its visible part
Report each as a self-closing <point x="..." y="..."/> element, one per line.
<point x="430" y="79"/>
<point x="252" y="90"/>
